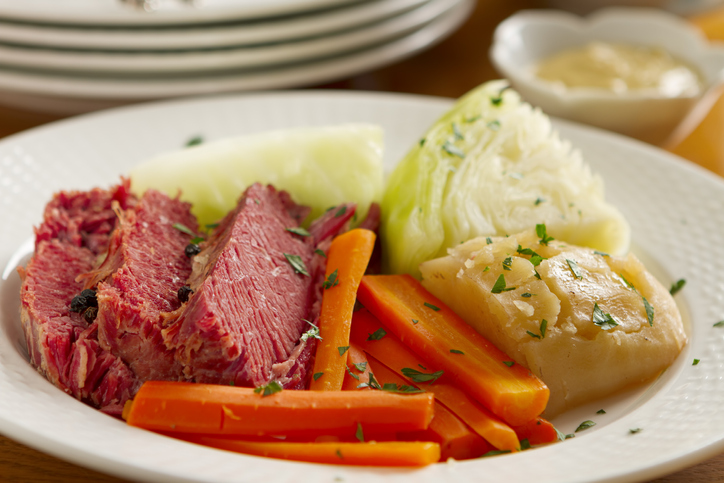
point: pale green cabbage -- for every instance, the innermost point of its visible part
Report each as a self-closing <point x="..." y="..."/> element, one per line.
<point x="491" y="166"/>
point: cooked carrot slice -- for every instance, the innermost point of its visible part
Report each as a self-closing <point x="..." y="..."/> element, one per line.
<point x="358" y="370"/>
<point x="347" y="261"/>
<point x="391" y="352"/>
<point x="435" y="332"/>
<point x="213" y="409"/>
<point x="537" y="431"/>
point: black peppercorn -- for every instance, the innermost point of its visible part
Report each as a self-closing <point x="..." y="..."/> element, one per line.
<point x="184" y="293"/>
<point x="192" y="249"/>
<point x="87" y="298"/>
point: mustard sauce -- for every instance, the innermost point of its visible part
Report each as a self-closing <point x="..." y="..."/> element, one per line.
<point x="620" y="68"/>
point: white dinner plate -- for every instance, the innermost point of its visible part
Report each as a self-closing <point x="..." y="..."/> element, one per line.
<point x="155" y="12"/>
<point x="123" y="64"/>
<point x="265" y="30"/>
<point x="73" y="95"/>
<point x="674" y="208"/>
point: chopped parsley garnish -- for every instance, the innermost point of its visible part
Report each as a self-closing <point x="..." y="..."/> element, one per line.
<point x="349" y="371"/>
<point x="507" y="263"/>
<point x="339" y="454"/>
<point x="422" y="142"/>
<point x="635" y="430"/>
<point x="194" y="141"/>
<point x="377" y="335"/>
<point x="317" y="375"/>
<point x="649" y="311"/>
<point x="585" y="425"/>
<point x="453" y="150"/>
<point x="574" y="268"/>
<point x="499" y="286"/>
<point x="488" y="240"/>
<point x="498" y="100"/>
<point x="538" y="201"/>
<point x="402" y="388"/>
<point x="563" y="436"/>
<point x="524" y="444"/>
<point x="360" y="366"/>
<point x="211" y="226"/>
<point x="429" y="305"/>
<point x="332" y="280"/>
<point x="535" y="259"/>
<point x="540" y="230"/>
<point x="341" y="211"/>
<point x="342" y="350"/>
<point x="509" y="363"/>
<point x="455" y="351"/>
<point x="311" y="333"/>
<point x="494" y="125"/>
<point x="719" y="324"/>
<point x="495" y="452"/>
<point x="184" y="229"/>
<point x="456" y="131"/>
<point x="543" y="327"/>
<point x="696" y="361"/>
<point x="319" y="251"/>
<point x="473" y="119"/>
<point x="268" y="389"/>
<point x="603" y="320"/>
<point x="415" y="321"/>
<point x="600" y="411"/>
<point x="536" y="336"/>
<point x="196" y="240"/>
<point x="526" y="295"/>
<point x="371" y="384"/>
<point x="603" y="254"/>
<point x="297" y="263"/>
<point x="298" y="230"/>
<point x="676" y="286"/>
<point x="418" y="376"/>
<point x="359" y="434"/>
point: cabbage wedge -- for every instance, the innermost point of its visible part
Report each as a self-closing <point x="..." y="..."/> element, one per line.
<point x="492" y="165"/>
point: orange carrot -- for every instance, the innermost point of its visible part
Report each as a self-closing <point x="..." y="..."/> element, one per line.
<point x="433" y="331"/>
<point x="347" y="261"/>
<point x="396" y="356"/>
<point x="358" y="370"/>
<point x="456" y="439"/>
<point x="537" y="431"/>
<point x="392" y="453"/>
<point x="214" y="409"/>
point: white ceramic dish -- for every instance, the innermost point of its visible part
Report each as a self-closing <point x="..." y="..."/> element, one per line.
<point x="122" y="64"/>
<point x="73" y="95"/>
<point x="524" y="39"/>
<point x="674" y="209"/>
<point x="265" y="30"/>
<point x="164" y="12"/>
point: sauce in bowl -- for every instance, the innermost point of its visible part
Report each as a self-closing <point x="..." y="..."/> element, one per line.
<point x="620" y="68"/>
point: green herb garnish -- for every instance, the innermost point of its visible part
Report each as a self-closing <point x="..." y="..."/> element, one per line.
<point x="418" y="376"/>
<point x="429" y="305"/>
<point x="676" y="286"/>
<point x="455" y="351"/>
<point x="507" y="263"/>
<point x="297" y="263"/>
<point x="184" y="229"/>
<point x="317" y="375"/>
<point x="377" y="335"/>
<point x="298" y="230"/>
<point x="574" y="268"/>
<point x="268" y="389"/>
<point x="603" y="320"/>
<point x="585" y="425"/>
<point x="649" y="311"/>
<point x="499" y="286"/>
<point x="342" y="350"/>
<point x="331" y="281"/>
<point x="509" y="363"/>
<point x="540" y="230"/>
<point x="194" y="141"/>
<point x="453" y="150"/>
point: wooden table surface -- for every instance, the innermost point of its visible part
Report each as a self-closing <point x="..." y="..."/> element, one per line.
<point x="449" y="69"/>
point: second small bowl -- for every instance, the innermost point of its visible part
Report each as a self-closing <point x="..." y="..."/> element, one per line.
<point x="526" y="38"/>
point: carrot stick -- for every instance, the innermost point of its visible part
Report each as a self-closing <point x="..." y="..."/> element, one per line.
<point x="393" y="453"/>
<point x="391" y="352"/>
<point x="537" y="431"/>
<point x="213" y="409"/>
<point x="347" y="261"/>
<point x="356" y="360"/>
<point x="432" y="330"/>
<point x="456" y="439"/>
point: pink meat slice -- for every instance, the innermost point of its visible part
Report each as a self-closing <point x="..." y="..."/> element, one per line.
<point x="62" y="345"/>
<point x="252" y="300"/>
<point x="138" y="283"/>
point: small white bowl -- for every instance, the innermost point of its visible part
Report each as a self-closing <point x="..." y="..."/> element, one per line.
<point x="526" y="38"/>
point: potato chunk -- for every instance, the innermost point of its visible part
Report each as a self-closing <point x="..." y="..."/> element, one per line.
<point x="598" y="336"/>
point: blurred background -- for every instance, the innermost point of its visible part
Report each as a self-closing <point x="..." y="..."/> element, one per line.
<point x="63" y="58"/>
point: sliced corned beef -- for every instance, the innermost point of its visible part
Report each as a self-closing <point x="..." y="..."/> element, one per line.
<point x="251" y="299"/>
<point x="61" y="344"/>
<point x="139" y="281"/>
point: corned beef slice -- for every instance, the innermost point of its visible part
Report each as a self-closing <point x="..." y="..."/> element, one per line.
<point x="138" y="284"/>
<point x="243" y="323"/>
<point x="61" y="344"/>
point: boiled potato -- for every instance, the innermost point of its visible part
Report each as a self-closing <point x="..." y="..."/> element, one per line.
<point x="608" y="322"/>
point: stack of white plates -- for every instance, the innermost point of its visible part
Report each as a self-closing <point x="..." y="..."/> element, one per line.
<point x="81" y="55"/>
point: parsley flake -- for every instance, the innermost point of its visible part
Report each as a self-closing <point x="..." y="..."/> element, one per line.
<point x="510" y="363"/>
<point x="342" y="350"/>
<point x="352" y="374"/>
<point x="422" y="142"/>
<point x="696" y="362"/>
<point x="574" y="268"/>
<point x="603" y="320"/>
<point x="332" y="281"/>
<point x="538" y="201"/>
<point x="585" y="425"/>
<point x="540" y="230"/>
<point x="377" y="335"/>
<point x="298" y="230"/>
<point x="453" y="150"/>
<point x="268" y="389"/>
<point x="456" y="131"/>
<point x="415" y="321"/>
<point x="600" y="411"/>
<point x="360" y="366"/>
<point x="649" y="311"/>
<point x="317" y="375"/>
<point x="339" y="454"/>
<point x="635" y="430"/>
<point x="297" y="263"/>
<point x="495" y="452"/>
<point x="526" y="295"/>
<point x="455" y="351"/>
<point x="524" y="444"/>
<point x="488" y="240"/>
<point x="676" y="286"/>
<point x="494" y="125"/>
<point x="194" y="141"/>
<point x="603" y="254"/>
<point x="563" y="436"/>
<point x="719" y="324"/>
<point x="532" y="334"/>
<point x="401" y="389"/>
<point x="499" y="286"/>
<point x="320" y="252"/>
<point x="429" y="305"/>
<point x="211" y="226"/>
<point x="341" y="211"/>
<point x="417" y="376"/>
<point x="359" y="434"/>
<point x="507" y="263"/>
<point x="311" y="333"/>
<point x="184" y="229"/>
